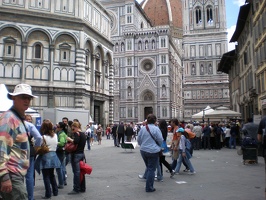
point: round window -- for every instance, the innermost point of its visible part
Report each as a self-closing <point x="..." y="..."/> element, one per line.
<point x="147" y="66"/>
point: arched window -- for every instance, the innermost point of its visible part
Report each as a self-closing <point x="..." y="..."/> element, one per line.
<point x="122" y="47"/>
<point x="198" y="16"/>
<point x="146" y="44"/>
<point x="139" y="45"/>
<point x="129" y="92"/>
<point x="153" y="44"/>
<point x="141" y="25"/>
<point x="38" y="51"/>
<point x="209" y="16"/>
<point x="163" y="90"/>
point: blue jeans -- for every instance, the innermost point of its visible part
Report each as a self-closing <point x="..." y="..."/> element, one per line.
<point x="159" y="171"/>
<point x="232" y="141"/>
<point x="61" y="171"/>
<point x="49" y="179"/>
<point x="30" y="179"/>
<point x="89" y="143"/>
<point x="151" y="161"/>
<point x="78" y="186"/>
<point x="186" y="160"/>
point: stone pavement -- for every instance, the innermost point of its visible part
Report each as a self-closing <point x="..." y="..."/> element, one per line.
<point x="220" y="175"/>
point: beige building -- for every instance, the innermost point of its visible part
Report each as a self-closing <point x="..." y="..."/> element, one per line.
<point x="246" y="65"/>
<point x="62" y="49"/>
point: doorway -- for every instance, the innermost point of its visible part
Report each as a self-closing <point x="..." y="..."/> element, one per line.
<point x="147" y="111"/>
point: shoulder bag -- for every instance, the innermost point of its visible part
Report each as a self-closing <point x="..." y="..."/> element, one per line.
<point x="43" y="149"/>
<point x="161" y="152"/>
<point x="70" y="147"/>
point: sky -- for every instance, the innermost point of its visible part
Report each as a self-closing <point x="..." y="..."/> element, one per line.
<point x="232" y="10"/>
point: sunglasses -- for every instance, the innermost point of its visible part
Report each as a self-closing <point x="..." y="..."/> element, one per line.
<point x="25" y="97"/>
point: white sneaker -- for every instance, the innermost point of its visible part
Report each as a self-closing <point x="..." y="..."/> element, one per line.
<point x="141" y="176"/>
<point x="191" y="173"/>
<point x="172" y="174"/>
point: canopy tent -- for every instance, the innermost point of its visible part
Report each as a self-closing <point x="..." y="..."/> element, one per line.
<point x="199" y="115"/>
<point x="7" y="103"/>
<point x="222" y="112"/>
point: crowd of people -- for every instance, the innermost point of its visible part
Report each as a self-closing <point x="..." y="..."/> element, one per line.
<point x="20" y="140"/>
<point x="21" y="145"/>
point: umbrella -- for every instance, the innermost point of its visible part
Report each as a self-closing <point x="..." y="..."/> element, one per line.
<point x="199" y="115"/>
<point x="222" y="112"/>
<point x="84" y="169"/>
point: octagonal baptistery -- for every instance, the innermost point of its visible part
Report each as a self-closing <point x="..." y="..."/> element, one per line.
<point x="165" y="12"/>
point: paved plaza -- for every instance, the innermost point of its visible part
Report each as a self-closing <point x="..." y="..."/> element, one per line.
<point x="220" y="175"/>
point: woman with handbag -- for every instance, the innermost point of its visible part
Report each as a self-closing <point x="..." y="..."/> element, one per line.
<point x="61" y="130"/>
<point x="79" y="139"/>
<point x="49" y="161"/>
<point x="150" y="140"/>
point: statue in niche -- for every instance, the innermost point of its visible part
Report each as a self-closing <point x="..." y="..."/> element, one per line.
<point x="193" y="70"/>
<point x="163" y="91"/>
<point x="201" y="70"/>
<point x="129" y="91"/>
<point x="153" y="44"/>
<point x="210" y="69"/>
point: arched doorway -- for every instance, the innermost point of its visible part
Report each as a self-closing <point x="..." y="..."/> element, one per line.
<point x="147" y="111"/>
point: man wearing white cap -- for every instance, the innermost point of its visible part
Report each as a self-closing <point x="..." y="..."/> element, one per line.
<point x="14" y="145"/>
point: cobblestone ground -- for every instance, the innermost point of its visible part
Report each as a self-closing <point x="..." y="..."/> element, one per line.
<point x="220" y="175"/>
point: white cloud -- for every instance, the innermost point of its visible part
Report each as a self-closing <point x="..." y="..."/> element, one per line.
<point x="239" y="2"/>
<point x="230" y="32"/>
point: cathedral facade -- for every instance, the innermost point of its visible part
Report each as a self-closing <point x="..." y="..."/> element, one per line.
<point x="147" y="65"/>
<point x="63" y="50"/>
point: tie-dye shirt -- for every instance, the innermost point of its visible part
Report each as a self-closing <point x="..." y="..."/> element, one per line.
<point x="14" y="146"/>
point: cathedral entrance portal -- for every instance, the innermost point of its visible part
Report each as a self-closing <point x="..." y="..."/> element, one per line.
<point x="147" y="111"/>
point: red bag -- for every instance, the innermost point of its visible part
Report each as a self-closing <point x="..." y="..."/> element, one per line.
<point x="84" y="169"/>
<point x="70" y="147"/>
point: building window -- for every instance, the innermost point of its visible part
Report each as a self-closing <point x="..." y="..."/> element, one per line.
<point x="122" y="112"/>
<point x="163" y="43"/>
<point x="129" y="19"/>
<point x="163" y="71"/>
<point x="129" y="9"/>
<point x="129" y="71"/>
<point x="209" y="16"/>
<point x="129" y="45"/>
<point x="198" y="16"/>
<point x="163" y="58"/>
<point x="64" y="53"/>
<point x="129" y="112"/>
<point x="129" y="61"/>
<point x="9" y="47"/>
<point x="164" y="112"/>
<point x="37" y="51"/>
<point x="141" y="25"/>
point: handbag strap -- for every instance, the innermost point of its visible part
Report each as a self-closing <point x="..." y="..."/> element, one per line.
<point x="44" y="140"/>
<point x="148" y="129"/>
